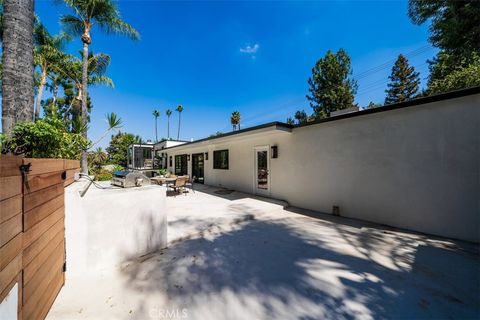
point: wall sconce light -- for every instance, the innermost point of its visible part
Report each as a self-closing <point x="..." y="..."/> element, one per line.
<point x="206" y="155"/>
<point x="188" y="157"/>
<point x="274" y="152"/>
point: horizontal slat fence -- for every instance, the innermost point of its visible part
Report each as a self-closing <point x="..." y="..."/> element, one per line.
<point x="32" y="230"/>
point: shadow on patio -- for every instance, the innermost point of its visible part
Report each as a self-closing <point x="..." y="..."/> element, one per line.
<point x="285" y="268"/>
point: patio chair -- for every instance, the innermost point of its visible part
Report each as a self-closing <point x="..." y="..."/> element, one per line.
<point x="179" y="184"/>
<point x="190" y="182"/>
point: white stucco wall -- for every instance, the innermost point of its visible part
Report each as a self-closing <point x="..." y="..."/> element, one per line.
<point x="415" y="168"/>
<point x="109" y="226"/>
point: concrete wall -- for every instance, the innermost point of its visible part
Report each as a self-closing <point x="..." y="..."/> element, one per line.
<point x="415" y="168"/>
<point x="109" y="226"/>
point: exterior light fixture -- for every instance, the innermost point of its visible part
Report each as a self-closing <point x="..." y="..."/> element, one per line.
<point x="274" y="152"/>
<point x="206" y="155"/>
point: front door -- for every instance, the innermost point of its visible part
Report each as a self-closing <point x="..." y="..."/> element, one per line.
<point x="198" y="167"/>
<point x="262" y="171"/>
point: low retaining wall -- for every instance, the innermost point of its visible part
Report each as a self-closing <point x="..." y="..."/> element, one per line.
<point x="106" y="227"/>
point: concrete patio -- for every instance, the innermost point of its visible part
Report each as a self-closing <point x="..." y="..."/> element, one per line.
<point x="235" y="256"/>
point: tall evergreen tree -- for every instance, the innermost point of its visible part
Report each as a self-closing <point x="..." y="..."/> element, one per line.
<point x="455" y="24"/>
<point x="455" y="30"/>
<point x="404" y="82"/>
<point x="331" y="87"/>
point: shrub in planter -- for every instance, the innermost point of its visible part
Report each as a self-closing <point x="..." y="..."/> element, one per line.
<point x="44" y="138"/>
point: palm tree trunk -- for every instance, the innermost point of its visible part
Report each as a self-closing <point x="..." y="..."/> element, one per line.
<point x="84" y="157"/>
<point x="168" y="127"/>
<point x="156" y="135"/>
<point x="18" y="67"/>
<point x="43" y="80"/>
<point x="179" y="122"/>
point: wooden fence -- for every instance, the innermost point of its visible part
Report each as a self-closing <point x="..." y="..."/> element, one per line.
<point x="32" y="230"/>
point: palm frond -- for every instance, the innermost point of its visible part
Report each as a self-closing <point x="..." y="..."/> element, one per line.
<point x="114" y="121"/>
<point x="104" y="80"/>
<point x="118" y="26"/>
<point x="78" y="126"/>
<point x="72" y="24"/>
<point x="98" y="63"/>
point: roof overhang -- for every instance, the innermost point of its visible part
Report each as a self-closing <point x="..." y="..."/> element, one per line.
<point x="272" y="127"/>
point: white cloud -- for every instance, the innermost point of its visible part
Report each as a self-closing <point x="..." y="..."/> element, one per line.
<point x="250" y="49"/>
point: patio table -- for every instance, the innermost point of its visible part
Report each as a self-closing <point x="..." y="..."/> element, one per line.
<point x="163" y="180"/>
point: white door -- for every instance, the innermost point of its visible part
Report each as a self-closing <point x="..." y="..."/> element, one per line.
<point x="262" y="171"/>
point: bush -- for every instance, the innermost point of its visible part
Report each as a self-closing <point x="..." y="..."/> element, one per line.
<point x="103" y="175"/>
<point x="44" y="138"/>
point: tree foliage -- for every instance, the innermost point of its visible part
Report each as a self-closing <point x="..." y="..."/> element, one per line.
<point x="373" y="105"/>
<point x="463" y="75"/>
<point x="301" y="117"/>
<point x="330" y="86"/>
<point x="455" y="24"/>
<point x="118" y="147"/>
<point x="45" y="138"/>
<point x="235" y="120"/>
<point x="455" y="30"/>
<point x="97" y="159"/>
<point x="404" y="82"/>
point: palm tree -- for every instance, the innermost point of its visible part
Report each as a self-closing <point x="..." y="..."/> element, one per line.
<point x="179" y="109"/>
<point x="71" y="68"/>
<point x="104" y="14"/>
<point x="156" y="114"/>
<point x="18" y="65"/>
<point x="97" y="158"/>
<point x="168" y="113"/>
<point x="235" y="120"/>
<point x="48" y="51"/>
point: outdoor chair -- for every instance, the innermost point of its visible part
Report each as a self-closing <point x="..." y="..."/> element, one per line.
<point x="179" y="184"/>
<point x="190" y="182"/>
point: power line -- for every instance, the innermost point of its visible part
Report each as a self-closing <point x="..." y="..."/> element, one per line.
<point x="387" y="64"/>
<point x="366" y="89"/>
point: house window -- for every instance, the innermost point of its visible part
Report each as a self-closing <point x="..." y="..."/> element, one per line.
<point x="181" y="165"/>
<point x="220" y="159"/>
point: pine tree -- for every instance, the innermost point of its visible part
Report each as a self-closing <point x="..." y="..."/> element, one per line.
<point x="331" y="87"/>
<point x="404" y="82"/>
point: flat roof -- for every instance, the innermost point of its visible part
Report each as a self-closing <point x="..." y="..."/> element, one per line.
<point x="281" y="125"/>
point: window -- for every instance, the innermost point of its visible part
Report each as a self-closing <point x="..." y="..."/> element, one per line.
<point x="220" y="159"/>
<point x="181" y="165"/>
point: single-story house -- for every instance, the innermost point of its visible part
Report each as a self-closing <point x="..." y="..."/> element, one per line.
<point x="412" y="165"/>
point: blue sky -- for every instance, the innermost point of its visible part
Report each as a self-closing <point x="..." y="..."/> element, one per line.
<point x="254" y="57"/>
